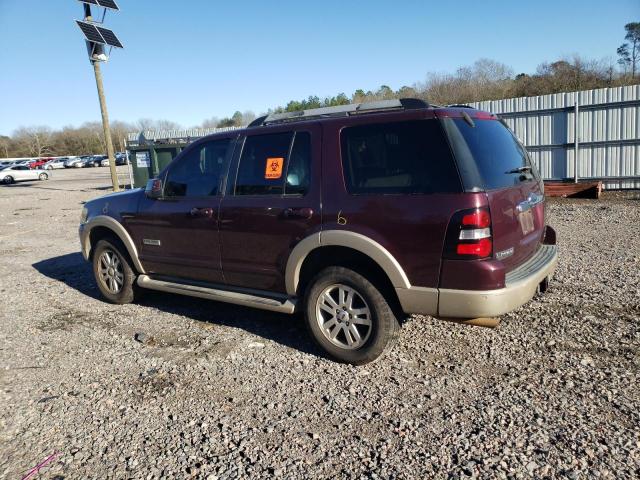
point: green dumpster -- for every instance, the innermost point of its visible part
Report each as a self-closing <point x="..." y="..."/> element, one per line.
<point x="148" y="160"/>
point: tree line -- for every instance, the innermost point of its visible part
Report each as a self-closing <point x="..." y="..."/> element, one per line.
<point x="484" y="80"/>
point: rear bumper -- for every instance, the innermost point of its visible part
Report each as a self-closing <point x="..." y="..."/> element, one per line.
<point x="520" y="287"/>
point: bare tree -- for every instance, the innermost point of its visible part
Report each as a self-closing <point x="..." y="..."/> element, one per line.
<point x="37" y="141"/>
<point x="119" y="131"/>
<point x="210" y="122"/>
<point x="247" y="117"/>
<point x="4" y="144"/>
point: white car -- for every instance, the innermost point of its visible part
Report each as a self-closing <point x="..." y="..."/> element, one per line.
<point x="104" y="162"/>
<point x="76" y="162"/>
<point x="57" y="163"/>
<point x="21" y="173"/>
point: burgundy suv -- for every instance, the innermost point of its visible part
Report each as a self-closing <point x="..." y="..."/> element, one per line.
<point x="353" y="215"/>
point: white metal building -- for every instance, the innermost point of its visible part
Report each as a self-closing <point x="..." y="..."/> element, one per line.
<point x="608" y="125"/>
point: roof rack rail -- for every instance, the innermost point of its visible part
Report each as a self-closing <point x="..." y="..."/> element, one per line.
<point x="340" y="111"/>
<point x="461" y="105"/>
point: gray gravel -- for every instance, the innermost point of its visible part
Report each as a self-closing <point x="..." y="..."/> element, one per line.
<point x="179" y="387"/>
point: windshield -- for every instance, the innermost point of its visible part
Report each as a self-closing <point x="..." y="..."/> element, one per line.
<point x="489" y="156"/>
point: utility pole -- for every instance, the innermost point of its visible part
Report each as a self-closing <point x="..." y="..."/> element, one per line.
<point x="105" y="126"/>
<point x="96" y="38"/>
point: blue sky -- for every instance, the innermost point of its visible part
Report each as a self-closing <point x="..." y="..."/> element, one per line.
<point x="190" y="60"/>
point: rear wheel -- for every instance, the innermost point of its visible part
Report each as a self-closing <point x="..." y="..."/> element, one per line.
<point x="348" y="316"/>
<point x="113" y="272"/>
<point x="43" y="176"/>
<point x="7" y="180"/>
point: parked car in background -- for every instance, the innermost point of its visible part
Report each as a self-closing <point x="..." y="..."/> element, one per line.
<point x="121" y="159"/>
<point x="97" y="160"/>
<point x="21" y="173"/>
<point x="105" y="162"/>
<point x="89" y="162"/>
<point x="55" y="163"/>
<point x="39" y="162"/>
<point x="354" y="215"/>
<point x="74" y="162"/>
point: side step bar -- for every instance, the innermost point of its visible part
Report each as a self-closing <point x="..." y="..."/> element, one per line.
<point x="288" y="305"/>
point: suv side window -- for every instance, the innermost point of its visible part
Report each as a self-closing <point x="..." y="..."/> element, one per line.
<point x="263" y="164"/>
<point x="199" y="171"/>
<point x="400" y="157"/>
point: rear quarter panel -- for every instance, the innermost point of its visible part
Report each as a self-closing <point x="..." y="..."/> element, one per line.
<point x="411" y="227"/>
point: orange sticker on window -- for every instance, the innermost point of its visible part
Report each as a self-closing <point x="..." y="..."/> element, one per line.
<point x="274" y="168"/>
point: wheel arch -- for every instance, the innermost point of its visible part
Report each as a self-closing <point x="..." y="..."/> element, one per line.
<point x="348" y="249"/>
<point x="103" y="226"/>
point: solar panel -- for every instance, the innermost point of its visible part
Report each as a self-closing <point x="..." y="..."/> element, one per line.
<point x="108" y="4"/>
<point x="90" y="32"/>
<point x="102" y="3"/>
<point x="109" y="37"/>
<point x="96" y="34"/>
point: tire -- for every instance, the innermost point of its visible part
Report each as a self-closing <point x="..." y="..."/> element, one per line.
<point x="8" y="180"/>
<point x="123" y="291"/>
<point x="49" y="167"/>
<point x="367" y="303"/>
<point x="43" y="176"/>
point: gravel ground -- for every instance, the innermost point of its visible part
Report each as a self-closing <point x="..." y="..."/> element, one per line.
<point x="179" y="387"/>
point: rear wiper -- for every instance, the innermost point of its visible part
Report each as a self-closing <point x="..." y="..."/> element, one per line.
<point x="524" y="169"/>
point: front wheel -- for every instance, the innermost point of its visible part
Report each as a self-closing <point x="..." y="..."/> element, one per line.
<point x="8" y="180"/>
<point x="113" y="272"/>
<point x="43" y="176"/>
<point x="348" y="316"/>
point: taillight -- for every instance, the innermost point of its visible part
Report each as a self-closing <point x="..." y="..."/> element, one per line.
<point x="479" y="218"/>
<point x="469" y="235"/>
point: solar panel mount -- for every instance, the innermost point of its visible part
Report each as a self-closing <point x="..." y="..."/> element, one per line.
<point x="110" y="4"/>
<point x="96" y="34"/>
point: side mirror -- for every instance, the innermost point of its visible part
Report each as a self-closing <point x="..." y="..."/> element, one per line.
<point x="153" y="189"/>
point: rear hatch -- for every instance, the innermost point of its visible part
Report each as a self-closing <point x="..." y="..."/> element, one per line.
<point x="491" y="159"/>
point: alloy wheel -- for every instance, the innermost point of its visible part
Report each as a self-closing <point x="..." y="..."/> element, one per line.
<point x="111" y="271"/>
<point x="343" y="316"/>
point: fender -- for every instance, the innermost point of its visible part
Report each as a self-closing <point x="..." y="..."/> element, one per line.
<point x="343" y="238"/>
<point x="117" y="228"/>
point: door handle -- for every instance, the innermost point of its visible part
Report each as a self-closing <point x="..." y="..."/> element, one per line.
<point x="201" y="212"/>
<point x="304" y="213"/>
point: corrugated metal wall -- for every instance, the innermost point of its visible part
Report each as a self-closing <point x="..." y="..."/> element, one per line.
<point x="608" y="132"/>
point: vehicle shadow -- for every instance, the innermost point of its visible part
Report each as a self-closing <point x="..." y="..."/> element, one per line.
<point x="38" y="185"/>
<point x="288" y="330"/>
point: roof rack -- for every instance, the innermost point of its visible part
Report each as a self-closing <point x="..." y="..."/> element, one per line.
<point x="461" y="105"/>
<point x="340" y="111"/>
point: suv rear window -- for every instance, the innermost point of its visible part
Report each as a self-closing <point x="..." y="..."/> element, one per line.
<point x="400" y="157"/>
<point x="486" y="151"/>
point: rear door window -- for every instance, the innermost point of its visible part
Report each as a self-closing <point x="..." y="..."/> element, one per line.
<point x="263" y="164"/>
<point x="398" y="158"/>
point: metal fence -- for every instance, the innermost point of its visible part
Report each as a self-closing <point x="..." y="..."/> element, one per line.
<point x="608" y="124"/>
